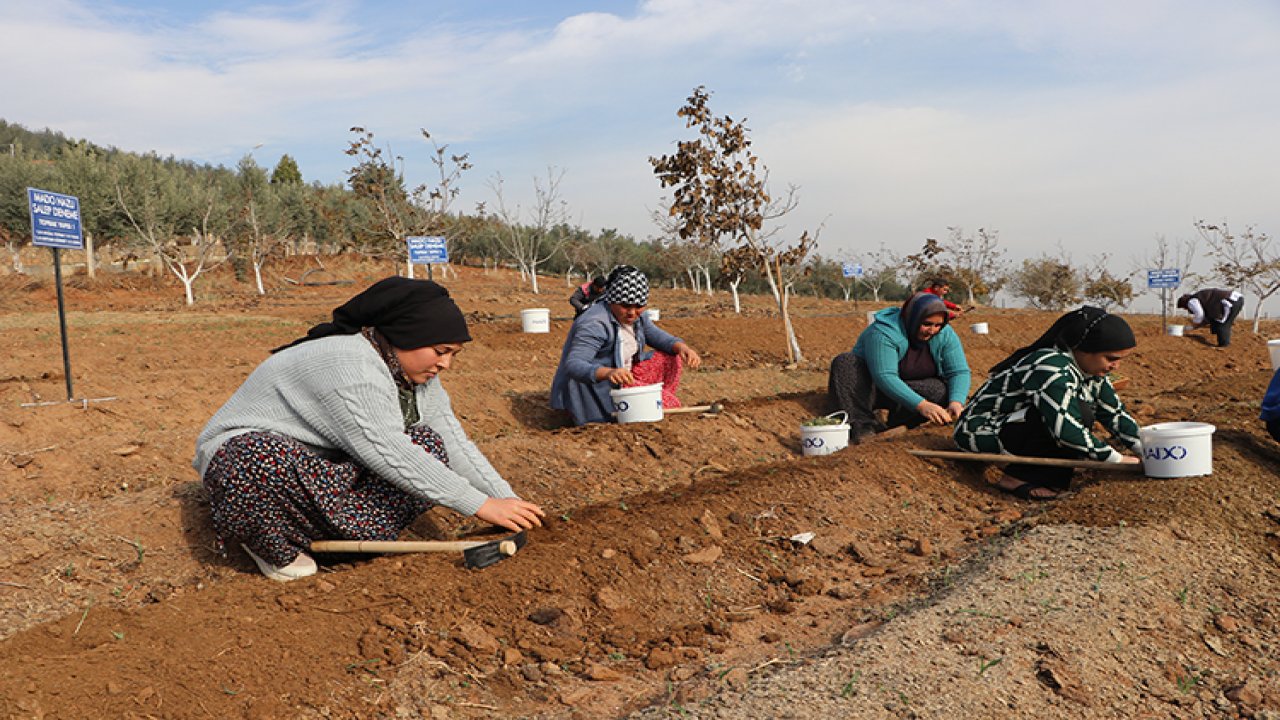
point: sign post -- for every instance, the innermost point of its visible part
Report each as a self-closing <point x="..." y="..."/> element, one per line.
<point x="1164" y="279"/>
<point x="852" y="270"/>
<point x="55" y="223"/>
<point x="426" y="250"/>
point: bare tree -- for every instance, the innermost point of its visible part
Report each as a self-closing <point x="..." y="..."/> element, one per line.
<point x="881" y="271"/>
<point x="1246" y="261"/>
<point x="721" y="195"/>
<point x="975" y="262"/>
<point x="533" y="244"/>
<point x="264" y="225"/>
<point x="698" y="258"/>
<point x="1170" y="256"/>
<point x="160" y="211"/>
<point x="395" y="212"/>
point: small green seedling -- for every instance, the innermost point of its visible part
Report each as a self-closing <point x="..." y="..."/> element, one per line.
<point x="821" y="421"/>
<point x="984" y="665"/>
<point x="848" y="688"/>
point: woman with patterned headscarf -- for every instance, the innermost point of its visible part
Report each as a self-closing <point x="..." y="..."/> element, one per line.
<point x="347" y="434"/>
<point x="908" y="361"/>
<point x="1043" y="400"/>
<point x="606" y="349"/>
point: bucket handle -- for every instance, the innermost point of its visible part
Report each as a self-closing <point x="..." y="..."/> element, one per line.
<point x="844" y="416"/>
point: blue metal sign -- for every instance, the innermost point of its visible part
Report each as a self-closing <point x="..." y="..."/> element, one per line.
<point x="1164" y="278"/>
<point x="852" y="270"/>
<point x="427" y="250"/>
<point x="55" y="220"/>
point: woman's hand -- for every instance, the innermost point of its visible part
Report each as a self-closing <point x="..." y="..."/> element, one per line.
<point x="933" y="412"/>
<point x="687" y="355"/>
<point x="511" y="513"/>
<point x="954" y="409"/>
<point x="620" y="377"/>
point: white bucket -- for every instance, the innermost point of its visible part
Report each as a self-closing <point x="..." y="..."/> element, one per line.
<point x="980" y="328"/>
<point x="536" y="320"/>
<point x="1273" y="347"/>
<point x="642" y="403"/>
<point x="653" y="314"/>
<point x="1177" y="449"/>
<point x="1175" y="330"/>
<point x="825" y="439"/>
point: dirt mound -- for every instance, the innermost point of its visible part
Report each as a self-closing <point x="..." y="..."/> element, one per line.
<point x="669" y="577"/>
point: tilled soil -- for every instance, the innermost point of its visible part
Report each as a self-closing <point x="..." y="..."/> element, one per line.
<point x="667" y="581"/>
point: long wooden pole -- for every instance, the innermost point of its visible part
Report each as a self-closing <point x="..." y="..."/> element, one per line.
<point x="1027" y="460"/>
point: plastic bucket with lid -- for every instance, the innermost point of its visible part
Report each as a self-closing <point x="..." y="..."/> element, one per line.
<point x="641" y="403"/>
<point x="1175" y="330"/>
<point x="653" y="314"/>
<point x="980" y="328"/>
<point x="1273" y="347"/>
<point x="1177" y="449"/>
<point x="825" y="439"/>
<point x="536" y="320"/>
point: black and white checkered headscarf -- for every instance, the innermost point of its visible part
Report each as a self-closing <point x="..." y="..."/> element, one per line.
<point x="627" y="286"/>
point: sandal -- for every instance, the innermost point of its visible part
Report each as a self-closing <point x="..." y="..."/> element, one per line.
<point x="1026" y="491"/>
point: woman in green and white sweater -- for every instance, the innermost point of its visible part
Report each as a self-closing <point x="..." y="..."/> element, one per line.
<point x="1043" y="400"/>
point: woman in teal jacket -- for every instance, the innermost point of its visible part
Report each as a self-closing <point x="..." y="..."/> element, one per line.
<point x="909" y="362"/>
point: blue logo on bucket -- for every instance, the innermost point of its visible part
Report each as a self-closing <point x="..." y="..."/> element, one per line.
<point x="816" y="442"/>
<point x="1173" y="452"/>
<point x="622" y="406"/>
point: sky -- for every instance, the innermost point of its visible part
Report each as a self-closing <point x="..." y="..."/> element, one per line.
<point x="1076" y="127"/>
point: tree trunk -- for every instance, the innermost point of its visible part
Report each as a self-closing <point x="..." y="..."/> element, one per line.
<point x="257" y="278"/>
<point x="706" y="273"/>
<point x="90" y="266"/>
<point x="793" y="345"/>
<point x="737" y="303"/>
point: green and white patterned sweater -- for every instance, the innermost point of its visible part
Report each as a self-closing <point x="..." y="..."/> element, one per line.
<point x="1045" y="382"/>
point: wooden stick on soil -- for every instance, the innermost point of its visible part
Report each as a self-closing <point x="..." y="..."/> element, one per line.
<point x="1027" y="460"/>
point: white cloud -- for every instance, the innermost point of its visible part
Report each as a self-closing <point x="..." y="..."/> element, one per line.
<point x="1090" y="122"/>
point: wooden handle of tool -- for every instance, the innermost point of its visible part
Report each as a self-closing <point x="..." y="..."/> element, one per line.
<point x="1026" y="460"/>
<point x="507" y="547"/>
<point x="401" y="546"/>
<point x="686" y="409"/>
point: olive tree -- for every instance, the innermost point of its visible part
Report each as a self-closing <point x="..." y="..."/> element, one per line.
<point x="1046" y="283"/>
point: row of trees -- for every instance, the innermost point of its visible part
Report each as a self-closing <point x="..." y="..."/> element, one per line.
<point x="722" y="227"/>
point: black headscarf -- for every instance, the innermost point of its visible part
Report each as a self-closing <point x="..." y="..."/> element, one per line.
<point x="409" y="313"/>
<point x="1088" y="329"/>
<point x="918" y="307"/>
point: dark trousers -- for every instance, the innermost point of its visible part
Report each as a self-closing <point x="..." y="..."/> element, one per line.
<point x="851" y="389"/>
<point x="1032" y="438"/>
<point x="1222" y="329"/>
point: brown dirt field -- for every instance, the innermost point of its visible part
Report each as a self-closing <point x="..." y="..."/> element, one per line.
<point x="665" y="583"/>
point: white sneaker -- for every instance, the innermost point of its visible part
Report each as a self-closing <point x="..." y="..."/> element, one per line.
<point x="302" y="566"/>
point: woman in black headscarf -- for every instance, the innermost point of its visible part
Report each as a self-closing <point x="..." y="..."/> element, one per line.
<point x="347" y="434"/>
<point x="1043" y="400"/>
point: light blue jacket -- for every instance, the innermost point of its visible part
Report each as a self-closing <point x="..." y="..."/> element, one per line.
<point x="592" y="344"/>
<point x="883" y="345"/>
